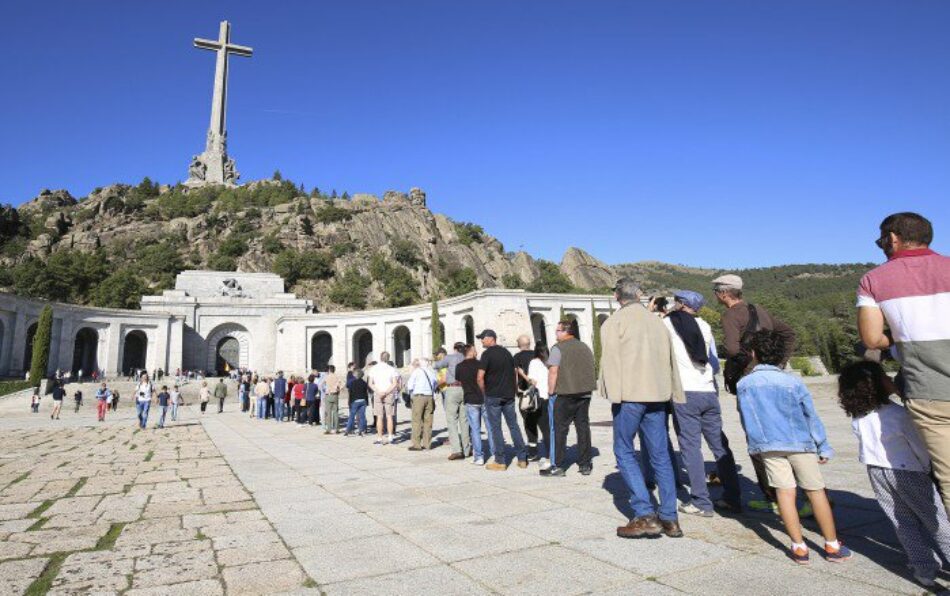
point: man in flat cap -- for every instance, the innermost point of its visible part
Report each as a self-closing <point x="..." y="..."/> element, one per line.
<point x="739" y="322"/>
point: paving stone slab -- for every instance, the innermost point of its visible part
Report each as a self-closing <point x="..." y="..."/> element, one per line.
<point x="208" y="587"/>
<point x="440" y="579"/>
<point x="264" y="578"/>
<point x="16" y="576"/>
<point x="362" y="557"/>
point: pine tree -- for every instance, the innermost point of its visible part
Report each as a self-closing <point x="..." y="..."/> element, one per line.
<point x="436" y="329"/>
<point x="41" y="345"/>
<point x="595" y="338"/>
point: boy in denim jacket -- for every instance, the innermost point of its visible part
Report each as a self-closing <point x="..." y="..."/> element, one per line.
<point x="782" y="426"/>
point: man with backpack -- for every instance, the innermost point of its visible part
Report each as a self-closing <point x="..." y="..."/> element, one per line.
<point x="739" y="322"/>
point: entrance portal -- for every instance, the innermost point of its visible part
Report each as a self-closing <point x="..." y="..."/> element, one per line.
<point x="134" y="351"/>
<point x="85" y="358"/>
<point x="321" y="351"/>
<point x="228" y="355"/>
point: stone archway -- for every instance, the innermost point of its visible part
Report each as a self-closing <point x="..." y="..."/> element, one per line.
<point x="539" y="328"/>
<point x="85" y="352"/>
<point x="469" y="329"/>
<point x="224" y="355"/>
<point x="134" y="351"/>
<point x="321" y="351"/>
<point x="28" y="348"/>
<point x="362" y="346"/>
<point x="402" y="346"/>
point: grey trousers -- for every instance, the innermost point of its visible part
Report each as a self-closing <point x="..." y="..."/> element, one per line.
<point x="456" y="421"/>
<point x="331" y="412"/>
<point x="911" y="501"/>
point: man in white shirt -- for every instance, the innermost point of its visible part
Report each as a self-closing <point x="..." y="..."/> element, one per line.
<point x="700" y="416"/>
<point x="384" y="380"/>
<point x="421" y="386"/>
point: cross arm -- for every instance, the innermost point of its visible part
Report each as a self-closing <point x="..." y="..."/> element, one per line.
<point x="207" y="44"/>
<point x="239" y="50"/>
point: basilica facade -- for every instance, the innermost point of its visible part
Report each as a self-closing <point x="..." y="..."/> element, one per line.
<point x="214" y="321"/>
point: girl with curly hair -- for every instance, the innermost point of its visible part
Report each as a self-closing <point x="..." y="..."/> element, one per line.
<point x="898" y="467"/>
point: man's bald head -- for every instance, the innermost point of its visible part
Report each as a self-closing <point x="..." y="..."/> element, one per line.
<point x="524" y="342"/>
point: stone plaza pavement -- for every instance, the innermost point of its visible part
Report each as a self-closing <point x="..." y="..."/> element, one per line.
<point x="225" y="504"/>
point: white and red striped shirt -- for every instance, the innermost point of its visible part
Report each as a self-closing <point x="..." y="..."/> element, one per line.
<point x="913" y="291"/>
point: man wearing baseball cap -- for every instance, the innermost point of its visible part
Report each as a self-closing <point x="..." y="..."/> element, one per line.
<point x="700" y="416"/>
<point x="739" y="322"/>
<point x="497" y="382"/>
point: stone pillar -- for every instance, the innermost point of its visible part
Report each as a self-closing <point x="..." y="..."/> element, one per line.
<point x="175" y="344"/>
<point x="112" y="336"/>
<point x="340" y="350"/>
<point x="63" y="358"/>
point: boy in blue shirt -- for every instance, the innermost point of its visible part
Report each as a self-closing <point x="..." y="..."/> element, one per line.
<point x="782" y="427"/>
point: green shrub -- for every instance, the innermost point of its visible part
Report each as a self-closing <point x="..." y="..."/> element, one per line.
<point x="405" y="252"/>
<point x="332" y="213"/>
<point x="398" y="286"/>
<point x="233" y="246"/>
<point x="8" y="387"/>
<point x="343" y="248"/>
<point x="219" y="262"/>
<point x="803" y="365"/>
<point x="272" y="244"/>
<point x="122" y="289"/>
<point x="551" y="280"/>
<point x="512" y="281"/>
<point x="311" y="264"/>
<point x="460" y="281"/>
<point x="41" y="345"/>
<point x="469" y="232"/>
<point x="349" y="289"/>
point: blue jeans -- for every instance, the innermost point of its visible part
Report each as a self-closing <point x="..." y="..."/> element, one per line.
<point x="357" y="413"/>
<point x="174" y="412"/>
<point x="141" y="409"/>
<point x="261" y="407"/>
<point x="475" y="414"/>
<point x="161" y="421"/>
<point x="279" y="409"/>
<point x="495" y="409"/>
<point x="650" y="418"/>
<point x="552" y="399"/>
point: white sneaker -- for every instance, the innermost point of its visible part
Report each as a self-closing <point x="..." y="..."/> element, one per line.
<point x="478" y="461"/>
<point x="391" y="439"/>
<point x="378" y="442"/>
<point x="543" y="463"/>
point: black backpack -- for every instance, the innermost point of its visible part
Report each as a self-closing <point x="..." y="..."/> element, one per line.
<point x="736" y="366"/>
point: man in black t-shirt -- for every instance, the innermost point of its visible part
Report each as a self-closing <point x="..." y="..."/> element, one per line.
<point x="496" y="380"/>
<point x="58" y="394"/>
<point x="531" y="419"/>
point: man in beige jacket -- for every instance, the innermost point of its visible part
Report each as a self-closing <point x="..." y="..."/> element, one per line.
<point x="639" y="376"/>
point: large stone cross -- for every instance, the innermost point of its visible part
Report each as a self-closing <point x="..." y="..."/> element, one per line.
<point x="214" y="166"/>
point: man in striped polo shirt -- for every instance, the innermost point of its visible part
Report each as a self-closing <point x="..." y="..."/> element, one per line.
<point x="911" y="293"/>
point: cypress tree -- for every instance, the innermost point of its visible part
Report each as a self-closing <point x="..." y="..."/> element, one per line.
<point x="436" y="329"/>
<point x="595" y="330"/>
<point x="41" y="345"/>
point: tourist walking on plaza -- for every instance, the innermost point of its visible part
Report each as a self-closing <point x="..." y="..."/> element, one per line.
<point x="572" y="378"/>
<point x="384" y="381"/>
<point x="537" y="377"/>
<point x="204" y="395"/>
<point x="453" y="400"/>
<point x="898" y="466"/>
<point x="784" y="430"/>
<point x="35" y="401"/>
<point x="358" y="392"/>
<point x="103" y="395"/>
<point x="164" y="400"/>
<point x="911" y="293"/>
<point x="421" y="387"/>
<point x="261" y="391"/>
<point x="331" y="403"/>
<point x="531" y="419"/>
<point x="466" y="373"/>
<point x="221" y="392"/>
<point x="496" y="380"/>
<point x="59" y="393"/>
<point x="77" y="397"/>
<point x="739" y="322"/>
<point x="115" y="400"/>
<point x="639" y="376"/>
<point x="143" y="399"/>
<point x="176" y="402"/>
<point x="280" y="392"/>
<point x="700" y="416"/>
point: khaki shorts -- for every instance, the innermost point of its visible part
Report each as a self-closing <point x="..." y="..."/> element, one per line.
<point x="384" y="406"/>
<point x="787" y="469"/>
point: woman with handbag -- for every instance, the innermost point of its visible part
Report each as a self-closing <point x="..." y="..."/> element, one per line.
<point x="538" y="378"/>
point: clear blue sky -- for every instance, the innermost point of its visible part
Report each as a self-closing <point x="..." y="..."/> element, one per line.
<point x="712" y="133"/>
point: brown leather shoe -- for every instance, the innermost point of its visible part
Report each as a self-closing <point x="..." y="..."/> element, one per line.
<point x="456" y="456"/>
<point x="671" y="528"/>
<point x="641" y="527"/>
<point x="496" y="467"/>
